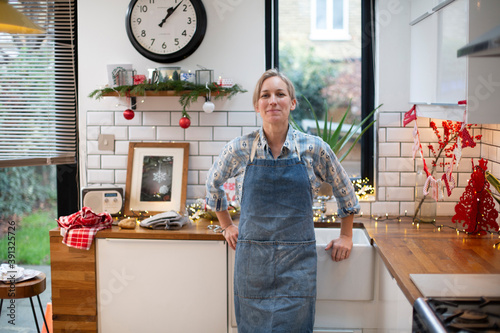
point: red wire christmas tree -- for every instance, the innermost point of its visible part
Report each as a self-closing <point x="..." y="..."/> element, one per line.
<point x="476" y="209"/>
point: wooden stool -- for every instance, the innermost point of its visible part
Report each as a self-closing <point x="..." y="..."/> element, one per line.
<point x="29" y="288"/>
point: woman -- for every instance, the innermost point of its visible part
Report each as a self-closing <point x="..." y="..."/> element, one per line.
<point x="275" y="265"/>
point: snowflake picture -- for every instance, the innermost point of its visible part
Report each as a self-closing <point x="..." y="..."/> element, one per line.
<point x="157" y="178"/>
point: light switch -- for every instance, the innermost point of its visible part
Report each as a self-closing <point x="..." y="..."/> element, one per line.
<point x="106" y="142"/>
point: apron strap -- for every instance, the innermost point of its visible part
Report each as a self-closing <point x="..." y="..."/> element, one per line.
<point x="256" y="142"/>
<point x="296" y="148"/>
<point x="254" y="147"/>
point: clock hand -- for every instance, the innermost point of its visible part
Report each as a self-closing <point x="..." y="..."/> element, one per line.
<point x="170" y="11"/>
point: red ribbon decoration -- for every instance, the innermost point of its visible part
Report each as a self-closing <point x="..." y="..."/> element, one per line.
<point x="410" y="115"/>
<point x="467" y="140"/>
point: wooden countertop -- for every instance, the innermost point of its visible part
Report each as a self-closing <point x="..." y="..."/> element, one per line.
<point x="410" y="249"/>
<point x="195" y="231"/>
<point x="405" y="248"/>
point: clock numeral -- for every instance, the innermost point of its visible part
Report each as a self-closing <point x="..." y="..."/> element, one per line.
<point x="152" y="41"/>
<point x="151" y="1"/>
<point x="143" y="33"/>
<point x="164" y="45"/>
<point x="176" y="41"/>
<point x="185" y="8"/>
<point x="189" y="20"/>
<point x="143" y="8"/>
<point x="139" y="20"/>
<point x="184" y="33"/>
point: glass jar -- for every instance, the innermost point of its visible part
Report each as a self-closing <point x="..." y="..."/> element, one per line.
<point x="425" y="205"/>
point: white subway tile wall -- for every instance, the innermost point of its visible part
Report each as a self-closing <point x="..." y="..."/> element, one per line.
<point x="208" y="133"/>
<point x="397" y="169"/>
<point x="207" y="136"/>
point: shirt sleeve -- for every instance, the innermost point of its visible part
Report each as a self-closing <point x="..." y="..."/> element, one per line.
<point x="334" y="174"/>
<point x="228" y="164"/>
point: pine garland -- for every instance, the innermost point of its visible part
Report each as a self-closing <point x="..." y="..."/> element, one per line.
<point x="190" y="91"/>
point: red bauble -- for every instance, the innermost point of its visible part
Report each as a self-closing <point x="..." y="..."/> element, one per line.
<point x="128" y="114"/>
<point x="184" y="122"/>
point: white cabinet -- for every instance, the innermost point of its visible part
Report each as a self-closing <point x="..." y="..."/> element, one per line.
<point x="438" y="78"/>
<point x="423" y="63"/>
<point x="161" y="286"/>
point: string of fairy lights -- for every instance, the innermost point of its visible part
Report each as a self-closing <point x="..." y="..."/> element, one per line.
<point x="194" y="209"/>
<point x="438" y="226"/>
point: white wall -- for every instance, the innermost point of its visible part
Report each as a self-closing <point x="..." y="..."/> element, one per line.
<point x="233" y="46"/>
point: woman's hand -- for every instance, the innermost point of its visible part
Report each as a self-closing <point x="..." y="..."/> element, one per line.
<point x="231" y="235"/>
<point x="341" y="248"/>
<point x="230" y="230"/>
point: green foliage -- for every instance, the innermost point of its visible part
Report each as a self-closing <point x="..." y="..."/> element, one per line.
<point x="496" y="185"/>
<point x="309" y="74"/>
<point x="188" y="91"/>
<point x="24" y="189"/>
<point x="333" y="136"/>
<point x="32" y="242"/>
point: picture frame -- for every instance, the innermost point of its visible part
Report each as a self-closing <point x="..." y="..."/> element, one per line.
<point x="156" y="177"/>
<point x="117" y="74"/>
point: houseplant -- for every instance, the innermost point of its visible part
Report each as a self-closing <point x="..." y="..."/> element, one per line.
<point x="337" y="142"/>
<point x="495" y="183"/>
<point x="331" y="135"/>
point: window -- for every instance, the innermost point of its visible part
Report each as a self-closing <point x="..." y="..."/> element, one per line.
<point x="38" y="117"/>
<point x="38" y="87"/>
<point x="330" y="20"/>
<point x="334" y="76"/>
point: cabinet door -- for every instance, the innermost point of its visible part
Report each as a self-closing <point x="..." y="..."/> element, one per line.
<point x="483" y="72"/>
<point x="161" y="286"/>
<point x="437" y="75"/>
<point x="451" y="71"/>
<point x="423" y="61"/>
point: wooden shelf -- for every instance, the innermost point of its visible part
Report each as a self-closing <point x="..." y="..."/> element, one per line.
<point x="165" y="93"/>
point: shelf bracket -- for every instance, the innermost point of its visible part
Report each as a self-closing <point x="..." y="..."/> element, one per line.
<point x="133" y="102"/>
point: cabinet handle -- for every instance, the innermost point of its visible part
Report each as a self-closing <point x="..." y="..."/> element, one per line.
<point x="441" y="5"/>
<point x="420" y="18"/>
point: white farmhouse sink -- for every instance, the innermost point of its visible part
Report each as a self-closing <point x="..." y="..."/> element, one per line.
<point x="351" y="279"/>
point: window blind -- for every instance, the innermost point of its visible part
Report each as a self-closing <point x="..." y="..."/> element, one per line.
<point x="38" y="99"/>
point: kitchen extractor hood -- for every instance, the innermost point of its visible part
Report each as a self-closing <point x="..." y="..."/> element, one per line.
<point x="486" y="45"/>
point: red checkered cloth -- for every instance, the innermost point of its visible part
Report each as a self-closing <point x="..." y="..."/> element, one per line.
<point x="78" y="229"/>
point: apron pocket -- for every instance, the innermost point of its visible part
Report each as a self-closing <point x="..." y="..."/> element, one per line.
<point x="295" y="267"/>
<point x="254" y="269"/>
<point x="275" y="269"/>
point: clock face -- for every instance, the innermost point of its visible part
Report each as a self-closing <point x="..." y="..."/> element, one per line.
<point x="166" y="30"/>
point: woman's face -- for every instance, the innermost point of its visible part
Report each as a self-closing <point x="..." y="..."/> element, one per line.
<point x="274" y="104"/>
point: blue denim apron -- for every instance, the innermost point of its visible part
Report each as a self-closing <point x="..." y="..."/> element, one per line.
<point x="275" y="265"/>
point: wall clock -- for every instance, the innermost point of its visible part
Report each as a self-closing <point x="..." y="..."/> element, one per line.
<point x="166" y="30"/>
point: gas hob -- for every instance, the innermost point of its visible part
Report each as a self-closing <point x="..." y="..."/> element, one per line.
<point x="456" y="314"/>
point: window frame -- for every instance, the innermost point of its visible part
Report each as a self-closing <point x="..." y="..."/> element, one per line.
<point x="367" y="74"/>
<point x="329" y="33"/>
